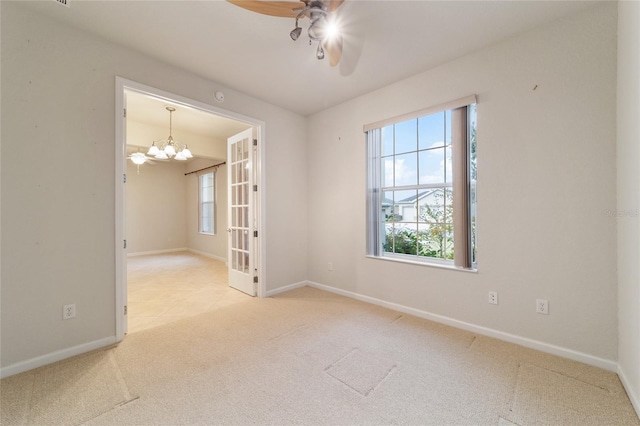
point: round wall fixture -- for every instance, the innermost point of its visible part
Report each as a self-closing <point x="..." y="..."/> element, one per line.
<point x="219" y="96"/>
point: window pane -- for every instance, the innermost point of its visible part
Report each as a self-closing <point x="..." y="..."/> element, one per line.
<point x="472" y="137"/>
<point x="388" y="211"/>
<point x="207" y="216"/>
<point x="432" y="206"/>
<point x="245" y="149"/>
<point x="432" y="166"/>
<point x="404" y="206"/>
<point x="387" y="172"/>
<point x="238" y="151"/>
<point x="207" y="205"/>
<point x="431" y="130"/>
<point x="406" y="169"/>
<point x="387" y="140"/>
<point x="441" y="231"/>
<point x="406" y="137"/>
<point x="448" y="165"/>
<point x="447" y="124"/>
<point x="403" y="239"/>
<point x="424" y="247"/>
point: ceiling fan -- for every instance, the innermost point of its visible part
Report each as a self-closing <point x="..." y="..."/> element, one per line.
<point x="138" y="158"/>
<point x="141" y="158"/>
<point x="322" y="26"/>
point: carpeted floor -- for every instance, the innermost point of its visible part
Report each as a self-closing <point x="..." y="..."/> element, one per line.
<point x="311" y="357"/>
<point x="168" y="287"/>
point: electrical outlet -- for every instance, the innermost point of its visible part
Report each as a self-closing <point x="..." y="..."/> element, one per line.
<point x="69" y="311"/>
<point x="330" y="266"/>
<point x="542" y="306"/>
<point x="493" y="297"/>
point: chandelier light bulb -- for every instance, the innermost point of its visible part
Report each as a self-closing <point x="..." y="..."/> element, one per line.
<point x="186" y="152"/>
<point x="153" y="150"/>
<point x="162" y="156"/>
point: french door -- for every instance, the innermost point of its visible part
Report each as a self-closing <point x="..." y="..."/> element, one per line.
<point x="241" y="216"/>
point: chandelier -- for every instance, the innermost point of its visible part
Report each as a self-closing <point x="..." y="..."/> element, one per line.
<point x="164" y="149"/>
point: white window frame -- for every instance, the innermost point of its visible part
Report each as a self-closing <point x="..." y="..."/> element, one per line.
<point x="201" y="203"/>
<point x="465" y="242"/>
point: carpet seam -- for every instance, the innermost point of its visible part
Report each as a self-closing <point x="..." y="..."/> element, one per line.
<point x="340" y="359"/>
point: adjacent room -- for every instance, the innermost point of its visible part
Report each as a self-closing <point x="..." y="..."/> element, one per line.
<point x="371" y="212"/>
<point x="176" y="211"/>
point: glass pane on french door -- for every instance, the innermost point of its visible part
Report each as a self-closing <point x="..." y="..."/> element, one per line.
<point x="240" y="226"/>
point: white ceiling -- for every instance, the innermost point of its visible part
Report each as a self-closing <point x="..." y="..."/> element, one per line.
<point x="148" y="110"/>
<point x="385" y="41"/>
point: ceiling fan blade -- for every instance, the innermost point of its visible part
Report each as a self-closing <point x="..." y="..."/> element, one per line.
<point x="334" y="50"/>
<point x="334" y="4"/>
<point x="284" y="9"/>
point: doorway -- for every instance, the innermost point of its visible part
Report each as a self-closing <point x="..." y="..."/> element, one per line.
<point x="130" y="138"/>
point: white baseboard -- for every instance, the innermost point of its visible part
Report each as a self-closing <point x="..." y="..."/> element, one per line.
<point x="212" y="256"/>
<point x="518" y="340"/>
<point x="145" y="253"/>
<point x="52" y="357"/>
<point x="286" y="288"/>
<point x="631" y="392"/>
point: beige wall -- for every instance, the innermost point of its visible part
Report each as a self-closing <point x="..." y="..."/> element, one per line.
<point x="629" y="197"/>
<point x="58" y="181"/>
<point x="149" y="199"/>
<point x="156" y="207"/>
<point x="546" y="175"/>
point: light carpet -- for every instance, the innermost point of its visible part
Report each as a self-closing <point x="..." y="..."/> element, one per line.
<point x="312" y="357"/>
<point x="168" y="287"/>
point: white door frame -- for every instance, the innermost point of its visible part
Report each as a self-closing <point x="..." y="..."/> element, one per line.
<point x="123" y="85"/>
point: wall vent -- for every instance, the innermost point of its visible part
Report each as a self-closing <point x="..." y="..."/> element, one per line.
<point x="63" y="2"/>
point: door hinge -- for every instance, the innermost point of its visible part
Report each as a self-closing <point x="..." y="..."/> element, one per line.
<point x="125" y="309"/>
<point x="124" y="178"/>
<point x="255" y="142"/>
<point x="255" y="279"/>
<point x="125" y="244"/>
<point x="255" y="188"/>
<point x="255" y="234"/>
<point x="125" y="113"/>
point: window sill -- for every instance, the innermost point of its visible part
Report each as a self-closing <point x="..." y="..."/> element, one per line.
<point x="450" y="267"/>
<point x="207" y="233"/>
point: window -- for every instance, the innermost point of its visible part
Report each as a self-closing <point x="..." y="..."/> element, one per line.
<point x="421" y="195"/>
<point x="207" y="205"/>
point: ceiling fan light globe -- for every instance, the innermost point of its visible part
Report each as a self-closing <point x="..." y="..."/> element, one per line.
<point x="331" y="30"/>
<point x="138" y="158"/>
<point x="295" y="33"/>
